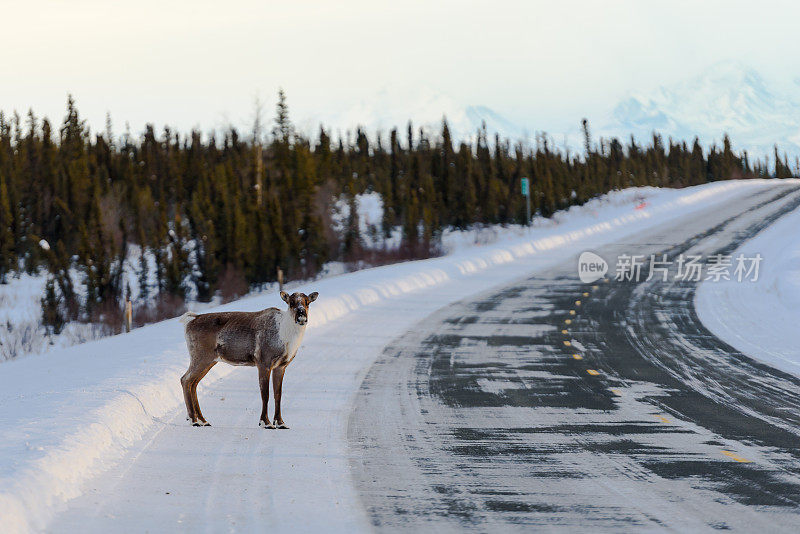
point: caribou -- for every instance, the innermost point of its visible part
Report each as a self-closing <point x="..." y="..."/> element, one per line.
<point x="267" y="339"/>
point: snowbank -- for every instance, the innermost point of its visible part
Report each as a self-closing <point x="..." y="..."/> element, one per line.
<point x="69" y="414"/>
<point x="761" y="318"/>
<point x="454" y="240"/>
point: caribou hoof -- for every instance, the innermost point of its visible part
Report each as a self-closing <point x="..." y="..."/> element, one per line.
<point x="197" y="423"/>
<point x="266" y="424"/>
<point x="280" y="424"/>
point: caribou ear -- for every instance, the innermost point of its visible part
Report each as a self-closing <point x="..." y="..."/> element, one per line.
<point x="285" y="296"/>
<point x="313" y="296"/>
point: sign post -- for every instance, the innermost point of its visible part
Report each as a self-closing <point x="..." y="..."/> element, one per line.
<point x="526" y="190"/>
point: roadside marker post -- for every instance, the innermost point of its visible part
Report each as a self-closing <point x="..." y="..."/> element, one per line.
<point x="526" y="190"/>
<point x="128" y="315"/>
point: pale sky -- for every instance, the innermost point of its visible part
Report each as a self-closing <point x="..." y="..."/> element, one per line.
<point x="200" y="64"/>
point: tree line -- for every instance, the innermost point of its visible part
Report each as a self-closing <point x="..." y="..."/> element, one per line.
<point x="198" y="210"/>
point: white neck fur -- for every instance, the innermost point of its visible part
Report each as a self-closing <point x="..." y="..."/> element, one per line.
<point x="290" y="333"/>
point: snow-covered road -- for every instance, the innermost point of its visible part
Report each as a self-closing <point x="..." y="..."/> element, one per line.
<point x="551" y="404"/>
<point x="104" y="442"/>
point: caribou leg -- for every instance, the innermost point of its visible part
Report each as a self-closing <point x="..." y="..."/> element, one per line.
<point x="200" y="420"/>
<point x="263" y="382"/>
<point x="277" y="386"/>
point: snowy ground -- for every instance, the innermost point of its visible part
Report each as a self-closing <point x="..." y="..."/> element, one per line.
<point x="20" y="316"/>
<point x="761" y="318"/>
<point x="21" y="329"/>
<point x="68" y="417"/>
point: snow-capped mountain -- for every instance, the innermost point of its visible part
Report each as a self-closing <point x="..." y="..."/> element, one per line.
<point x="728" y="98"/>
<point x="392" y="108"/>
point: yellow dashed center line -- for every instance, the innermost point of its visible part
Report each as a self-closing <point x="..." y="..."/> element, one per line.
<point x="577" y="356"/>
<point x="577" y="303"/>
<point x="572" y="312"/>
<point x="616" y="392"/>
<point x="567" y="343"/>
<point x="592" y="372"/>
<point x="586" y="294"/>
<point x="595" y="287"/>
<point x="568" y="321"/>
<point x="564" y="331"/>
<point x="662" y="418"/>
<point x="735" y="458"/>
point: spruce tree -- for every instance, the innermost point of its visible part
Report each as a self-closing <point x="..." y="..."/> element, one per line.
<point x="283" y="126"/>
<point x="52" y="316"/>
<point x="352" y="234"/>
<point x="7" y="256"/>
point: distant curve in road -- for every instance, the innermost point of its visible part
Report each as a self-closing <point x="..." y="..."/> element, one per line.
<point x="605" y="406"/>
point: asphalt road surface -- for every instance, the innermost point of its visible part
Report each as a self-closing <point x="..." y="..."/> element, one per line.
<point x="555" y="404"/>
